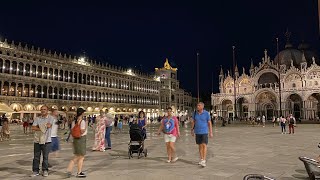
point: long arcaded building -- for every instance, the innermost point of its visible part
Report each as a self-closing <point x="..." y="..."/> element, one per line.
<point x="31" y="77"/>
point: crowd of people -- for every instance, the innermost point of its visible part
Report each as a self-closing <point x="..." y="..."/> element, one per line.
<point x="46" y="141"/>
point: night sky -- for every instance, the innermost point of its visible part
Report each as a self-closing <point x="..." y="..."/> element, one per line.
<point x="141" y="35"/>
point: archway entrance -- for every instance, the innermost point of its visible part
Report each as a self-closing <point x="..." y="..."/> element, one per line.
<point x="270" y="111"/>
<point x="266" y="105"/>
<point x="312" y="106"/>
<point x="242" y="106"/>
<point x="294" y="106"/>
<point x="227" y="108"/>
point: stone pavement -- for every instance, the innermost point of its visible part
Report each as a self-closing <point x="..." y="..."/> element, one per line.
<point x="234" y="151"/>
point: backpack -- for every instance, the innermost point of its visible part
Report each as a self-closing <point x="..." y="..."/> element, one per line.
<point x="168" y="125"/>
<point x="76" y="130"/>
<point x="291" y="121"/>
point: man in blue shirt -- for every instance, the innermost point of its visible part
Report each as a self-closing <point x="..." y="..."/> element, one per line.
<point x="201" y="126"/>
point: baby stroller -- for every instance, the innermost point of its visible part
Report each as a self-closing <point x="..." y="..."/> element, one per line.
<point x="136" y="144"/>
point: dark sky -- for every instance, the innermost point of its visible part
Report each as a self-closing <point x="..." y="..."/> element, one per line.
<point x="142" y="34"/>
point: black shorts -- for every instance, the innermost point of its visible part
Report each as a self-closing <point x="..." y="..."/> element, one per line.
<point x="202" y="138"/>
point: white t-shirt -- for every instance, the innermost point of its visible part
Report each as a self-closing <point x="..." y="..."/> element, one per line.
<point x="83" y="126"/>
<point x="55" y="126"/>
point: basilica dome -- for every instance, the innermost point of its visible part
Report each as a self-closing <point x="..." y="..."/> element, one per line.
<point x="303" y="53"/>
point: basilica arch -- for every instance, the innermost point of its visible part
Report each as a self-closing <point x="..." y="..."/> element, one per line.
<point x="266" y="104"/>
<point x="312" y="106"/>
<point x="266" y="79"/>
<point x="227" y="108"/>
<point x="294" y="105"/>
<point x="242" y="107"/>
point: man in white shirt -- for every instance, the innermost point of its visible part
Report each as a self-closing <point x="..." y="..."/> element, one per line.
<point x="55" y="145"/>
<point x="44" y="120"/>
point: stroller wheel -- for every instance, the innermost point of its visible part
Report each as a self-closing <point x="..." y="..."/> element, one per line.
<point x="145" y="153"/>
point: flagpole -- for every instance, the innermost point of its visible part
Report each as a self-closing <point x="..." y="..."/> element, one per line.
<point x="234" y="82"/>
<point x="279" y="82"/>
<point x="198" y="84"/>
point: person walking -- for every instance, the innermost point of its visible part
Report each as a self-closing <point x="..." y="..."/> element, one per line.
<point x="283" y="125"/>
<point x="30" y="121"/>
<point x="182" y="120"/>
<point x="79" y="144"/>
<point x="201" y="127"/>
<point x="42" y="127"/>
<point x="55" y="144"/>
<point x="170" y="127"/>
<point x="109" y="125"/>
<point x="274" y="121"/>
<point x="130" y="120"/>
<point x="25" y="124"/>
<point x="292" y="123"/>
<point x="120" y="124"/>
<point x="69" y="129"/>
<point x="99" y="142"/>
<point x="263" y="120"/>
<point x="142" y="123"/>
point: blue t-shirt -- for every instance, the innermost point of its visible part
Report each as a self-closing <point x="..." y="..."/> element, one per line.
<point x="201" y="122"/>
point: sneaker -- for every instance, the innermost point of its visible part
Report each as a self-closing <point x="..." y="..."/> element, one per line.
<point x="45" y="174"/>
<point x="199" y="163"/>
<point x="69" y="174"/>
<point x="81" y="174"/>
<point x="168" y="161"/>
<point x="175" y="159"/>
<point x="34" y="174"/>
<point x="203" y="163"/>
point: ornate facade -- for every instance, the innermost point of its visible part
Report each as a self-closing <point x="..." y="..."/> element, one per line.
<point x="257" y="93"/>
<point x="32" y="77"/>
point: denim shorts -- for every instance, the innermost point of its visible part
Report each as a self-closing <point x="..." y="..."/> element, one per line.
<point x="55" y="146"/>
<point x="202" y="138"/>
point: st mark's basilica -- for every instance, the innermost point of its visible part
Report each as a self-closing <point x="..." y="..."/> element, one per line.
<point x="257" y="92"/>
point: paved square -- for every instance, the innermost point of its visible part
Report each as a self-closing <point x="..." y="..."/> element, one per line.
<point x="234" y="151"/>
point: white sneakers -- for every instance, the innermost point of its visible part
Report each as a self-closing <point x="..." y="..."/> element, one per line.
<point x="173" y="160"/>
<point x="202" y="163"/>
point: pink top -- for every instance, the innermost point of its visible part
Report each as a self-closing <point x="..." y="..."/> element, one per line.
<point x="174" y="132"/>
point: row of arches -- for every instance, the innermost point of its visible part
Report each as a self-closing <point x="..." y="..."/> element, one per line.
<point x="43" y="72"/>
<point x="38" y="91"/>
<point x="266" y="103"/>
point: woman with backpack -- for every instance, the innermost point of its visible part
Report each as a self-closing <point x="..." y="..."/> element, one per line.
<point x="78" y="131"/>
<point x="170" y="127"/>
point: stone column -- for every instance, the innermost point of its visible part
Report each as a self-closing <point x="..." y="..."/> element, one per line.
<point x="29" y="89"/>
<point x="22" y="90"/>
<point x="23" y="69"/>
<point x="15" y="90"/>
